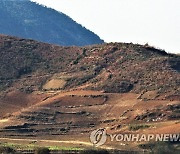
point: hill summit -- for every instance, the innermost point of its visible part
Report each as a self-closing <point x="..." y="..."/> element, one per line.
<point x="112" y="67"/>
<point x="27" y="19"/>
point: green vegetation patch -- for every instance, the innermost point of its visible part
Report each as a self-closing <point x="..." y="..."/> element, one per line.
<point x="36" y="147"/>
<point x="138" y="126"/>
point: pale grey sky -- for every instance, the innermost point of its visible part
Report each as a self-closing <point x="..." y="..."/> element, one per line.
<point x="156" y="22"/>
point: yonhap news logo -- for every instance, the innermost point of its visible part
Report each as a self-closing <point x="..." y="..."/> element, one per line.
<point x="99" y="137"/>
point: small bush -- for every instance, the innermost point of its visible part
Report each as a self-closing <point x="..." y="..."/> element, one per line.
<point x="160" y="148"/>
<point x="7" y="150"/>
<point x="42" y="151"/>
<point x="118" y="86"/>
<point x="94" y="152"/>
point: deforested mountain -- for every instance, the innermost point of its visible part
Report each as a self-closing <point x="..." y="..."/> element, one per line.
<point x="112" y="67"/>
<point x="27" y="19"/>
<point x="62" y="94"/>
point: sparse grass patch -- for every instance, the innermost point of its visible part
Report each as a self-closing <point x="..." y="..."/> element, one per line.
<point x="138" y="126"/>
<point x="52" y="148"/>
<point x="19" y="146"/>
<point x="37" y="147"/>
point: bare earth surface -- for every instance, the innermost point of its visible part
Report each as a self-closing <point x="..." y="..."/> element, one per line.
<point x="59" y="95"/>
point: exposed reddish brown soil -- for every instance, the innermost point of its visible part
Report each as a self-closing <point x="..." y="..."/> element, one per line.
<point x="110" y="86"/>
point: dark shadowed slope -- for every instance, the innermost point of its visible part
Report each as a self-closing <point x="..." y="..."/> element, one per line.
<point x="29" y="20"/>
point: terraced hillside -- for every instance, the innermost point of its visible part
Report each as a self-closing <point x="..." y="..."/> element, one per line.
<point x="63" y="93"/>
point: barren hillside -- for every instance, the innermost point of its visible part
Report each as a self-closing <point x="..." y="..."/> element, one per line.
<point x="55" y="92"/>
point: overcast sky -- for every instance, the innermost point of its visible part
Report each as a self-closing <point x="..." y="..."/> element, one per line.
<point x="156" y="22"/>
